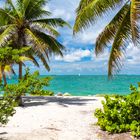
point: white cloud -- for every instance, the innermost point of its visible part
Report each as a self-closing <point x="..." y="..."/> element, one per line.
<point x="64" y="9"/>
<point x="62" y="13"/>
<point x="133" y="55"/>
<point x="73" y="56"/>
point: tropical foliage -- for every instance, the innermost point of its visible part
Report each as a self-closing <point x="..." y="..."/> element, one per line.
<point x="31" y="84"/>
<point x="121" y="113"/>
<point x="6" y="109"/>
<point x="120" y="31"/>
<point x="9" y="57"/>
<point x="26" y="23"/>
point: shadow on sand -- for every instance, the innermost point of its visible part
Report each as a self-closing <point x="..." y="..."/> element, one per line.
<point x="64" y="101"/>
<point x="2" y="136"/>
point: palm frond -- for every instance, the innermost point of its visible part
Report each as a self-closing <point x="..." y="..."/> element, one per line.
<point x="33" y="60"/>
<point x="34" y="40"/>
<point x="107" y="35"/>
<point x="7" y="34"/>
<point x="135" y="17"/>
<point x="16" y="11"/>
<point x="7" y="14"/>
<point x="122" y="38"/>
<point x="55" y="22"/>
<point x="2" y="28"/>
<point x="44" y="28"/>
<point x="42" y="58"/>
<point x="35" y="10"/>
<point x="89" y="10"/>
<point x="25" y="4"/>
<point x="54" y="47"/>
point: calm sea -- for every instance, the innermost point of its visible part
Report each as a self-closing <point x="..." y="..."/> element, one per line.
<point x="91" y="85"/>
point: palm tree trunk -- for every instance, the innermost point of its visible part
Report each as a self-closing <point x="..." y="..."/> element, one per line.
<point x="0" y="75"/>
<point x="20" y="70"/>
<point x="19" y="98"/>
<point x="4" y="76"/>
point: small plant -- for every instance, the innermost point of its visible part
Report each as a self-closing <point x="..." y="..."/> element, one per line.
<point x="6" y="109"/>
<point x="121" y="113"/>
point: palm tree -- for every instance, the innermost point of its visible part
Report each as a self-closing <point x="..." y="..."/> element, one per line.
<point x="120" y="31"/>
<point x="26" y="23"/>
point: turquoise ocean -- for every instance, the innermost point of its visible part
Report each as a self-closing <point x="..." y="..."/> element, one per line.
<point x="90" y="85"/>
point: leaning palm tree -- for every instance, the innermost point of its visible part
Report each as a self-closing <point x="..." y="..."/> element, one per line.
<point x="26" y="23"/>
<point x="122" y="29"/>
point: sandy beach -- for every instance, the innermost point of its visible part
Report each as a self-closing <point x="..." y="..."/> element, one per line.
<point x="55" y="118"/>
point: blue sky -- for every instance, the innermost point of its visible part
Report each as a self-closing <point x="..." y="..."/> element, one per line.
<point x="80" y="57"/>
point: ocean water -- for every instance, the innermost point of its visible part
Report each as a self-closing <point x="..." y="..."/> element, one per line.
<point x="91" y="85"/>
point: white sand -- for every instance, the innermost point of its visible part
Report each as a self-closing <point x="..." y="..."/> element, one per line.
<point x="54" y="118"/>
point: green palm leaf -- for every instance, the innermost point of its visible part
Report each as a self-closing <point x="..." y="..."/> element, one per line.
<point x="53" y="45"/>
<point x="34" y="9"/>
<point x="55" y="22"/>
<point x="36" y="42"/>
<point x="89" y="10"/>
<point x="43" y="59"/>
<point x="6" y="36"/>
<point x="122" y="38"/>
<point x="44" y="27"/>
<point x="107" y="35"/>
<point x="135" y="17"/>
<point x="7" y="14"/>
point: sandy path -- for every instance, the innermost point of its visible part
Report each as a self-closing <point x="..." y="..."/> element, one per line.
<point x="69" y="118"/>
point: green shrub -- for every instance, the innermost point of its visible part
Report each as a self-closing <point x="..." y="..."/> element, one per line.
<point x="6" y="109"/>
<point x="42" y="93"/>
<point x="30" y="84"/>
<point x="121" y="113"/>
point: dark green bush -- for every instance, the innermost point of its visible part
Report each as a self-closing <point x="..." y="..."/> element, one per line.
<point x="6" y="109"/>
<point x="121" y="113"/>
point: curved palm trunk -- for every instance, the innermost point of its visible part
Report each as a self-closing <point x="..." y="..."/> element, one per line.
<point x="20" y="70"/>
<point x="4" y="76"/>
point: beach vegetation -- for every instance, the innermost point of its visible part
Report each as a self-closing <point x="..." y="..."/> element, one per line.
<point x="121" y="113"/>
<point x="30" y="84"/>
<point x="6" y="109"/>
<point x="9" y="57"/>
<point x="122" y="29"/>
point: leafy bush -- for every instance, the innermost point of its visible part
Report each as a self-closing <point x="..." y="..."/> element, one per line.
<point x="30" y="84"/>
<point x="121" y="113"/>
<point x="42" y="93"/>
<point x="36" y="84"/>
<point x="6" y="109"/>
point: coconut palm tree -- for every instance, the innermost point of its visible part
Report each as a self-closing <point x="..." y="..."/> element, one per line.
<point x="26" y="23"/>
<point x="120" y="31"/>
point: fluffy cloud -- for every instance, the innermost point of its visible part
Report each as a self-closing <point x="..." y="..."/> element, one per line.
<point x="64" y="9"/>
<point x="74" y="56"/>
